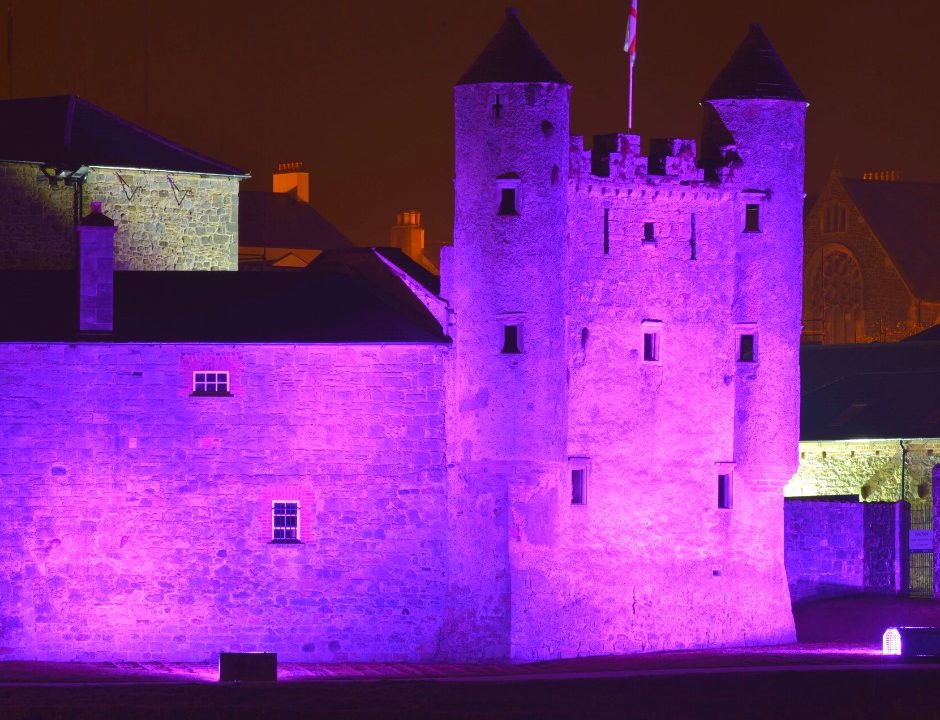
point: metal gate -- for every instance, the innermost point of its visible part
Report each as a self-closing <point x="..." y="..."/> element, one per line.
<point x="921" y="562"/>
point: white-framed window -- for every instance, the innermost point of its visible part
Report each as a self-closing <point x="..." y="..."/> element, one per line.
<point x="578" y="471"/>
<point x="285" y="521"/>
<point x="652" y="340"/>
<point x="745" y="341"/>
<point x="211" y="382"/>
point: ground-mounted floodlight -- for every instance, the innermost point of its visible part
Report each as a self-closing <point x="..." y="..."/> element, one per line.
<point x="247" y="667"/>
<point x="911" y="641"/>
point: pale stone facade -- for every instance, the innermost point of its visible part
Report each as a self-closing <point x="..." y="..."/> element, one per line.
<point x="166" y="220"/>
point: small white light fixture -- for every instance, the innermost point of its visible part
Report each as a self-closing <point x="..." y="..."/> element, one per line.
<point x="891" y="642"/>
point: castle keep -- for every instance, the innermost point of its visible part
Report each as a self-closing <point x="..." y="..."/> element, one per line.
<point x="575" y="444"/>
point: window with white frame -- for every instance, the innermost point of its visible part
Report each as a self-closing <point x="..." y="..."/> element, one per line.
<point x="652" y="340"/>
<point x="210" y="382"/>
<point x="285" y="518"/>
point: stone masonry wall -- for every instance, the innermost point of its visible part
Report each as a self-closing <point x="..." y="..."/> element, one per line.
<point x="165" y="221"/>
<point x="838" y="546"/>
<point x="870" y="469"/>
<point x="136" y="519"/>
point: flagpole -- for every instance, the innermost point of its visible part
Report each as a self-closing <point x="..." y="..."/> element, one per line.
<point x="629" y="47"/>
<point x="630" y="98"/>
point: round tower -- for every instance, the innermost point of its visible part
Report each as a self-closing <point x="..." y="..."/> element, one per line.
<point x="504" y="280"/>
<point x="755" y="120"/>
<point x="754" y="143"/>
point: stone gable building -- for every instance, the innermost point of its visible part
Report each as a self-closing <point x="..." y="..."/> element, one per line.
<point x="872" y="246"/>
<point x="175" y="209"/>
<point x="576" y="444"/>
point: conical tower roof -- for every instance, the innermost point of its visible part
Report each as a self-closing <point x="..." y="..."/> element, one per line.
<point x="755" y="71"/>
<point x="512" y="56"/>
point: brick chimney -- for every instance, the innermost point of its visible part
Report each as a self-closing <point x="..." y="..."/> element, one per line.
<point x="96" y="272"/>
<point x="290" y="177"/>
<point x="408" y="234"/>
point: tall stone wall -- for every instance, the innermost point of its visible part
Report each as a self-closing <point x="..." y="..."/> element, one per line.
<point x="136" y="518"/>
<point x="165" y="221"/>
<point x="841" y="546"/>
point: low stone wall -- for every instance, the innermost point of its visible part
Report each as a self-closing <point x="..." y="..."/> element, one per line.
<point x="838" y="545"/>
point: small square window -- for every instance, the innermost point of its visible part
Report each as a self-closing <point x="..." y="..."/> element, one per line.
<point x="511" y="340"/>
<point x="285" y="520"/>
<point x="752" y="218"/>
<point x="507" y="201"/>
<point x="725" y="491"/>
<point x="747" y="348"/>
<point x="578" y="486"/>
<point x="649" y="232"/>
<point x="211" y="382"/>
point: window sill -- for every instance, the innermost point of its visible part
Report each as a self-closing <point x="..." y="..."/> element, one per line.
<point x="286" y="542"/>
<point x="752" y="232"/>
<point x="211" y="394"/>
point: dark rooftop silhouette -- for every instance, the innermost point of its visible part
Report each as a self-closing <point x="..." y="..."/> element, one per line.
<point x="354" y="297"/>
<point x="66" y="131"/>
<point x="269" y="219"/>
<point x="512" y="56"/>
<point x="873" y="391"/>
<point x="755" y="71"/>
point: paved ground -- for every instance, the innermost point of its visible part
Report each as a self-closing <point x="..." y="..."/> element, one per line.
<point x="844" y="678"/>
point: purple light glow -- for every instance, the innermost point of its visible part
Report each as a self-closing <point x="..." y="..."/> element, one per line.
<point x="891" y="642"/>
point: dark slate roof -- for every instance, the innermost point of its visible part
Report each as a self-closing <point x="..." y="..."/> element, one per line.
<point x="67" y="132"/>
<point x="365" y="263"/>
<point x="870" y="391"/>
<point x="311" y="306"/>
<point x="512" y="56"/>
<point x="906" y="218"/>
<point x="755" y="71"/>
<point x="269" y="219"/>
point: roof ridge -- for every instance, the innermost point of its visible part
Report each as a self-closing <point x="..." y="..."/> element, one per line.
<point x="157" y="137"/>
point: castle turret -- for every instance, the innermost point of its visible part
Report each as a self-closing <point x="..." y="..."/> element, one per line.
<point x="504" y="278"/>
<point x="754" y="140"/>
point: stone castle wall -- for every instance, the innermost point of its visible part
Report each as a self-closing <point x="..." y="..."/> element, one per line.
<point x="135" y="519"/>
<point x="189" y="224"/>
<point x="838" y="546"/>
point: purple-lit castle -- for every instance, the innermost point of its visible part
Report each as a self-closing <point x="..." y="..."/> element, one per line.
<point x="576" y="445"/>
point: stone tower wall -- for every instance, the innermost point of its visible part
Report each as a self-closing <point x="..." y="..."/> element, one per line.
<point x="507" y="410"/>
<point x="192" y="226"/>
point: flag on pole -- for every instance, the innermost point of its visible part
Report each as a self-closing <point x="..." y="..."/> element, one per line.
<point x="629" y="46"/>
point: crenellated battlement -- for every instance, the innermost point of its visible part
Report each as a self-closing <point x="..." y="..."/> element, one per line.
<point x="617" y="157"/>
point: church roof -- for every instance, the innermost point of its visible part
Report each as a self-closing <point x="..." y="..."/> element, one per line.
<point x="905" y="216"/>
<point x="512" y="56"/>
<point x="269" y="219"/>
<point x="873" y="391"/>
<point x="755" y="71"/>
<point x="67" y="131"/>
<point x="357" y="301"/>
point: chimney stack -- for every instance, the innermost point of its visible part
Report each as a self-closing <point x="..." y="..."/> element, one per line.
<point x="290" y="177"/>
<point x="96" y="272"/>
<point x="408" y="234"/>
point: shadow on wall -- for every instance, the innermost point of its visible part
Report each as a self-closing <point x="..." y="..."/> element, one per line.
<point x="36" y="230"/>
<point x="838" y="546"/>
